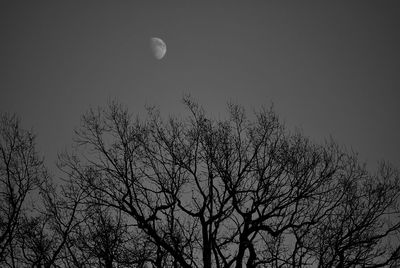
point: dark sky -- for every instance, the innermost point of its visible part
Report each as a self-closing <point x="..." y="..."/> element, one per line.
<point x="330" y="68"/>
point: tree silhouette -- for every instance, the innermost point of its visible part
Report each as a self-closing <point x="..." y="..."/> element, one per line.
<point x="44" y="232"/>
<point x="21" y="173"/>
<point x="194" y="192"/>
<point x="106" y="240"/>
<point x="235" y="192"/>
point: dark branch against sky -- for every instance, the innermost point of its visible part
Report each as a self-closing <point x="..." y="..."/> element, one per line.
<point x="329" y="68"/>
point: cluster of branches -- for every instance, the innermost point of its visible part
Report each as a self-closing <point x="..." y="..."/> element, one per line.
<point x="196" y="192"/>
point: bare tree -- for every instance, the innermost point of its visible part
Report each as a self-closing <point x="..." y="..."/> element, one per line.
<point x="43" y="236"/>
<point x="236" y="192"/>
<point x="21" y="173"/>
<point x="361" y="229"/>
<point x="105" y="239"/>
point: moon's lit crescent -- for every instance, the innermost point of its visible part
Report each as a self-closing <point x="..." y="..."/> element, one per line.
<point x="158" y="47"/>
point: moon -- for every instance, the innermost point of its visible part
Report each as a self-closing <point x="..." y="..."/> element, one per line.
<point x="147" y="265"/>
<point x="158" y="47"/>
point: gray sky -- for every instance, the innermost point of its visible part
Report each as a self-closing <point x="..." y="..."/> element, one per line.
<point x="330" y="68"/>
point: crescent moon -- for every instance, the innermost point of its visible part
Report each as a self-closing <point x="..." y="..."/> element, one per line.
<point x="158" y="47"/>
